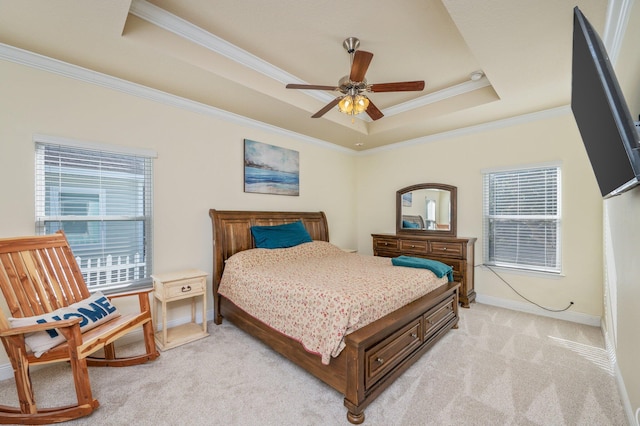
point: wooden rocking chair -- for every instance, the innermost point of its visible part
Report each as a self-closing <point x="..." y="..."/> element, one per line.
<point x="39" y="275"/>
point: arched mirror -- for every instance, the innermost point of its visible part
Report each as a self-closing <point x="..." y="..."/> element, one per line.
<point x="427" y="209"/>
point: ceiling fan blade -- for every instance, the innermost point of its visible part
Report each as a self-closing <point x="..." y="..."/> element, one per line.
<point x="374" y="112"/>
<point x="311" y="87"/>
<point x="403" y="86"/>
<point x="361" y="61"/>
<point x="327" y="107"/>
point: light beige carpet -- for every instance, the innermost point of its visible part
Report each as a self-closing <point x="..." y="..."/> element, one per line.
<point x="500" y="367"/>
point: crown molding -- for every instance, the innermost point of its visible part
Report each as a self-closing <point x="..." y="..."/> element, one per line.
<point x="185" y="29"/>
<point x="54" y="66"/>
<point x="440" y="95"/>
<point x="618" y="12"/>
<point x="50" y="65"/>
<point x="492" y="125"/>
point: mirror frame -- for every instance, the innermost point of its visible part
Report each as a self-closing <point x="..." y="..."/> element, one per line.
<point x="451" y="232"/>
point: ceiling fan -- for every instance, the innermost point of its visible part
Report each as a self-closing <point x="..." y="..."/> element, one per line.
<point x="352" y="86"/>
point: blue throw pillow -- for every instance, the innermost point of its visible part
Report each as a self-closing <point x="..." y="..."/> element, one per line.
<point x="280" y="236"/>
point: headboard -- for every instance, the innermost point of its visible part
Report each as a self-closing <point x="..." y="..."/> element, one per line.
<point x="232" y="234"/>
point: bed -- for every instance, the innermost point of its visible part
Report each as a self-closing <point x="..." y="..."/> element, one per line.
<point x="374" y="355"/>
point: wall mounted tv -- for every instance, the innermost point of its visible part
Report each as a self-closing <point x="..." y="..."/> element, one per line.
<point x="601" y="113"/>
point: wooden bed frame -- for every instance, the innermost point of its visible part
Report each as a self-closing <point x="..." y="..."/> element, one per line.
<point x="374" y="356"/>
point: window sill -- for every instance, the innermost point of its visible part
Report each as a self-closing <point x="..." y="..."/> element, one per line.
<point x="144" y="284"/>
<point x="524" y="272"/>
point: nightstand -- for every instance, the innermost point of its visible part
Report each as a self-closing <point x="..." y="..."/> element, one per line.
<point x="169" y="287"/>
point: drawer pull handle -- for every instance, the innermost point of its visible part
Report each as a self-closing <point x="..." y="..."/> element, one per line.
<point x="186" y="288"/>
<point x="444" y="249"/>
<point x="380" y="360"/>
<point x="414" y="335"/>
<point x="386" y="244"/>
<point x="413" y="246"/>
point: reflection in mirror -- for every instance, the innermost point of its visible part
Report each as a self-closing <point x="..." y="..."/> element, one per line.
<point x="427" y="208"/>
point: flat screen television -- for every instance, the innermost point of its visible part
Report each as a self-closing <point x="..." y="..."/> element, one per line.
<point x="608" y="131"/>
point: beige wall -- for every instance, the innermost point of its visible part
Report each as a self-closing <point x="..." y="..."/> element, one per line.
<point x="623" y="227"/>
<point x="199" y="164"/>
<point x="460" y="161"/>
<point x="624" y="273"/>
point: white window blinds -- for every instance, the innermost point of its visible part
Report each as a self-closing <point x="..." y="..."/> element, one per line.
<point x="522" y="219"/>
<point x="103" y="202"/>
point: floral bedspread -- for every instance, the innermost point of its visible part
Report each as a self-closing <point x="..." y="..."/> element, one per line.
<point x="317" y="293"/>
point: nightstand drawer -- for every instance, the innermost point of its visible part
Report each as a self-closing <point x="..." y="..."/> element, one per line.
<point x="184" y="288"/>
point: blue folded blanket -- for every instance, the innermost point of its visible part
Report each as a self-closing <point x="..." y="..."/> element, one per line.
<point x="438" y="268"/>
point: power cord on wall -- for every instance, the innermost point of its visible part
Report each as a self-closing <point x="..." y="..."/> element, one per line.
<point x="516" y="291"/>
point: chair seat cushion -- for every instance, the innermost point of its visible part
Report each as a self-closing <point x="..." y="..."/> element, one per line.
<point x="92" y="312"/>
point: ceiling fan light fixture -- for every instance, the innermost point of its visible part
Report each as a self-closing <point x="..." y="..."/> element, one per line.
<point x="362" y="102"/>
<point x="353" y="105"/>
<point x="346" y="104"/>
<point x="352" y="102"/>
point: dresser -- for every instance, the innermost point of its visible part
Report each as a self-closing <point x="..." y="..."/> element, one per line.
<point x="454" y="251"/>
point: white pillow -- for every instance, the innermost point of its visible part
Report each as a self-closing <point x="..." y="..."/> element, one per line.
<point x="92" y="311"/>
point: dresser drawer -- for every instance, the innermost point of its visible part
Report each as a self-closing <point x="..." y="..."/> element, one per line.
<point x="383" y="243"/>
<point x="435" y="319"/>
<point x="381" y="358"/>
<point x="442" y="248"/>
<point x="413" y="246"/>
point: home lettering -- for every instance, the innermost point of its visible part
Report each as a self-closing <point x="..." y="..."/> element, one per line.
<point x="96" y="310"/>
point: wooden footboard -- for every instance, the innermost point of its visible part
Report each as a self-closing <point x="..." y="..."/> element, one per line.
<point x="375" y="355"/>
<point x="380" y="352"/>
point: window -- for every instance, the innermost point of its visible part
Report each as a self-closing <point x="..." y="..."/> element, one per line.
<point x="522" y="219"/>
<point x="102" y="201"/>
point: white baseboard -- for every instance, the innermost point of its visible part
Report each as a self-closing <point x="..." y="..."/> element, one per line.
<point x="622" y="389"/>
<point x="6" y="371"/>
<point x="568" y="315"/>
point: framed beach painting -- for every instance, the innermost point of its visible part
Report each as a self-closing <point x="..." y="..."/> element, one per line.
<point x="270" y="169"/>
<point x="407" y="199"/>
